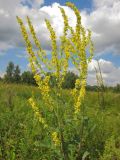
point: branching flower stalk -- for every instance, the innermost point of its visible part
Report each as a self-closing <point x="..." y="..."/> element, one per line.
<point x="101" y="87"/>
<point x="75" y="46"/>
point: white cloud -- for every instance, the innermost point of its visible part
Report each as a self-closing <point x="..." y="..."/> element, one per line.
<point x="104" y="3"/>
<point x="110" y="73"/>
<point x="2" y="74"/>
<point x="104" y="21"/>
<point x="3" y="47"/>
<point x="9" y="29"/>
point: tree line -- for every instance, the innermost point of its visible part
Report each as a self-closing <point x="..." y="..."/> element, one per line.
<point x="13" y="75"/>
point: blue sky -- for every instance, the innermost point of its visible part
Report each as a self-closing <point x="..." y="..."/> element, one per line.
<point x="102" y="17"/>
<point x="82" y="4"/>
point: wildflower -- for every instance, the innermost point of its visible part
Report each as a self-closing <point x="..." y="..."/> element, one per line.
<point x="37" y="78"/>
<point x="73" y="48"/>
<point x="77" y="13"/>
<point x="55" y="138"/>
<point x="28" y="44"/>
<point x="77" y="83"/>
<point x="80" y="97"/>
<point x="42" y="54"/>
<point x="55" y="59"/>
<point x="65" y="21"/>
<point x="37" y="113"/>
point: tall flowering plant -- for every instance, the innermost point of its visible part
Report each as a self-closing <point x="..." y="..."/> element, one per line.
<point x="59" y="117"/>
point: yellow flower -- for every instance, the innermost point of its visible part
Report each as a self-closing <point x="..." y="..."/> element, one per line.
<point x="80" y="97"/>
<point x="77" y="83"/>
<point x="55" y="138"/>
<point x="37" y="112"/>
<point x="55" y="59"/>
<point x="37" y="78"/>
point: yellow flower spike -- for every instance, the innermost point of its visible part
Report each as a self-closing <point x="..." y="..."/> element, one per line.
<point x="55" y="138"/>
<point x="34" y="34"/>
<point x="65" y="21"/>
<point x="25" y="36"/>
<point x="32" y="57"/>
<point x="77" y="13"/>
<point x="63" y="42"/>
<point x="41" y="53"/>
<point x="77" y="83"/>
<point x="37" y="42"/>
<point x="37" y="78"/>
<point x="91" y="52"/>
<point x="55" y="58"/>
<point x="66" y="47"/>
<point x="81" y="96"/>
<point x="43" y="85"/>
<point x="37" y="112"/>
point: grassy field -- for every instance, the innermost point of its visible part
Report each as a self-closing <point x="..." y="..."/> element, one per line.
<point x="21" y="137"/>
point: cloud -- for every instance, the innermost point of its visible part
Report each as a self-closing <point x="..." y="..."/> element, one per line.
<point x="9" y="29"/>
<point x="104" y="3"/>
<point x="10" y="36"/>
<point x="2" y="74"/>
<point x="103" y="20"/>
<point x="110" y="73"/>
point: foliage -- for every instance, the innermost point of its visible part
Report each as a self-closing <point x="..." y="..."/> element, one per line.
<point x="70" y="79"/>
<point x="22" y="137"/>
<point x="112" y="149"/>
<point x="9" y="72"/>
<point x="16" y="75"/>
<point x="1" y="79"/>
<point x="13" y="75"/>
<point x="27" y="77"/>
<point x="117" y="88"/>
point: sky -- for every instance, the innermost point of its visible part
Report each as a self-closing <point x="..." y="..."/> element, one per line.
<point x="102" y="17"/>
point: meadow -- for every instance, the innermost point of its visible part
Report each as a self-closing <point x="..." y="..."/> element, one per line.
<point x="49" y="122"/>
<point x="22" y="138"/>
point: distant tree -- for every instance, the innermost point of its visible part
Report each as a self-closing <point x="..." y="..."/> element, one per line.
<point x="117" y="88"/>
<point x="9" y="72"/>
<point x="28" y="77"/>
<point x="91" y="88"/>
<point x="52" y="81"/>
<point x="70" y="79"/>
<point x="1" y="79"/>
<point x="68" y="83"/>
<point x="16" y="75"/>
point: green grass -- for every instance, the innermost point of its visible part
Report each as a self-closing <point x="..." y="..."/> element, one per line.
<point x="21" y="137"/>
